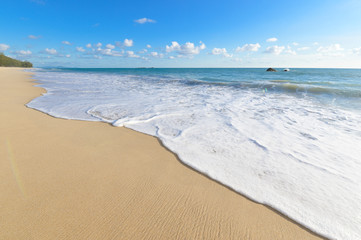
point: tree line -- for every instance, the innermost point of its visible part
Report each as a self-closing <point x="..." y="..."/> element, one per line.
<point x="10" y="62"/>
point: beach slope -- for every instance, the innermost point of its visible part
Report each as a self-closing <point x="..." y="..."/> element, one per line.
<point x="66" y="179"/>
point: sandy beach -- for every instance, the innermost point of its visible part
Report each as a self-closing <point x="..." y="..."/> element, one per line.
<point x="67" y="179"/>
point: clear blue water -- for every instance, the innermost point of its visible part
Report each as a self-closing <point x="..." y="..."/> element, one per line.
<point x="290" y="140"/>
<point x="331" y="86"/>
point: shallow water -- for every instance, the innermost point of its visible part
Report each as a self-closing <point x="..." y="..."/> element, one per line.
<point x="291" y="140"/>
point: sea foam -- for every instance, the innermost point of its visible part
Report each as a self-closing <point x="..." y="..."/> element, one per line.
<point x="289" y="151"/>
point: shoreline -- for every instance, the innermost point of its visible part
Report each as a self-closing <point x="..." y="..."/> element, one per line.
<point x="140" y="189"/>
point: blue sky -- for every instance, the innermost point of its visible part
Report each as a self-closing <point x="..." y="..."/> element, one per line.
<point x="185" y="33"/>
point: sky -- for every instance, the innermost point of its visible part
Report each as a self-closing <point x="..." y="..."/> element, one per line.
<point x="182" y="33"/>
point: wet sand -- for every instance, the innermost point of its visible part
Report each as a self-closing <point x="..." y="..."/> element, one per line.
<point x="67" y="179"/>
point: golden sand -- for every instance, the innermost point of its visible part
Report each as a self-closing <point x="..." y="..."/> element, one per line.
<point x="66" y="179"/>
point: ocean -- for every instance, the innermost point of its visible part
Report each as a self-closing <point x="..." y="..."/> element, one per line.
<point x="289" y="140"/>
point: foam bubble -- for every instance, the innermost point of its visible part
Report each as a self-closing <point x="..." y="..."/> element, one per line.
<point x="288" y="151"/>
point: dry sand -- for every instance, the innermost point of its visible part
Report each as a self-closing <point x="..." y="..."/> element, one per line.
<point x="66" y="179"/>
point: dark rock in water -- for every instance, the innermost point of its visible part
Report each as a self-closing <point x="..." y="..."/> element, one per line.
<point x="271" y="70"/>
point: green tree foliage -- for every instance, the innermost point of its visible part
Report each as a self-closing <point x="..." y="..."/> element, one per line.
<point x="10" y="62"/>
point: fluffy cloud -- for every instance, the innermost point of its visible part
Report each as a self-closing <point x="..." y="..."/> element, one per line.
<point x="23" y="52"/>
<point x="148" y="46"/>
<point x="66" y="42"/>
<point x="156" y="54"/>
<point x="248" y="47"/>
<point x="221" y="51"/>
<point x="131" y="54"/>
<point x="80" y="49"/>
<point x="173" y="47"/>
<point x="110" y="46"/>
<point x="51" y="51"/>
<point x="218" y="51"/>
<point x="295" y="44"/>
<point x="357" y="51"/>
<point x="144" y="20"/>
<point x="272" y="39"/>
<point x="4" y="47"/>
<point x="289" y="50"/>
<point x="187" y="49"/>
<point x="276" y="50"/>
<point x="109" y="52"/>
<point x="68" y="55"/>
<point x="88" y="45"/>
<point x="128" y="42"/>
<point x="99" y="45"/>
<point x="34" y="37"/>
<point x="333" y="48"/>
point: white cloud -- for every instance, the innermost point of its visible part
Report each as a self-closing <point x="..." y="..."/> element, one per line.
<point x="148" y="46"/>
<point x="144" y="20"/>
<point x="34" y="37"/>
<point x="248" y="47"/>
<point x="221" y="51"/>
<point x="315" y="43"/>
<point x="272" y="39"/>
<point x="187" y="49"/>
<point x="131" y="54"/>
<point x="108" y="52"/>
<point x="171" y="57"/>
<point x="97" y="57"/>
<point x="66" y="42"/>
<point x="51" y="51"/>
<point x="173" y="47"/>
<point x="290" y="51"/>
<point x="295" y="44"/>
<point x="357" y="51"/>
<point x="110" y="46"/>
<point x="80" y="49"/>
<point x="303" y="48"/>
<point x="4" y="47"/>
<point x="331" y="50"/>
<point x="128" y="42"/>
<point x="24" y="52"/>
<point x="99" y="45"/>
<point x="276" y="50"/>
<point x="218" y="51"/>
<point x="156" y="54"/>
<point x="68" y="55"/>
<point x="88" y="45"/>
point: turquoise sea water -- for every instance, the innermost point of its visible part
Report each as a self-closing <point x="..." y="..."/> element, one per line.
<point x="291" y="140"/>
<point x="340" y="86"/>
